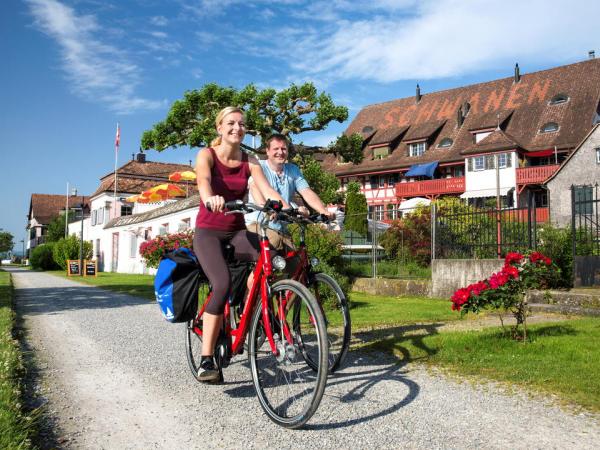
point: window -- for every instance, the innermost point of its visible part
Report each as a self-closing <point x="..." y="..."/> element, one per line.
<point x="479" y="163"/>
<point x="382" y="181"/>
<point x="97" y="252"/>
<point x="584" y="200"/>
<point x="416" y="149"/>
<point x="481" y="136"/>
<point x="391" y="211"/>
<point x="549" y="127"/>
<point x="378" y="212"/>
<point x="503" y="160"/>
<point x="184" y="225"/>
<point x="598" y="155"/>
<point x="558" y="99"/>
<point x="126" y="210"/>
<point x="100" y="216"/>
<point x="133" y="246"/>
<point x="94" y="212"/>
<point x="459" y="172"/>
<point x="446" y="142"/>
<point x="147" y="233"/>
<point x="381" y="152"/>
<point x="392" y="180"/>
<point x="374" y="181"/>
<point x="163" y="229"/>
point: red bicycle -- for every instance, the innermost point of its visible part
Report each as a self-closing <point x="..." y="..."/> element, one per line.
<point x="286" y="330"/>
<point x="327" y="291"/>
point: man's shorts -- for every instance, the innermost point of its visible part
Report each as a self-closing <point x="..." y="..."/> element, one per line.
<point x="282" y="243"/>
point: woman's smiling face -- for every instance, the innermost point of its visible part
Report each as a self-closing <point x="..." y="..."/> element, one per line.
<point x="232" y="128"/>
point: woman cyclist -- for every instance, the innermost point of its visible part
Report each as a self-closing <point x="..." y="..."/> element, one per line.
<point x="222" y="172"/>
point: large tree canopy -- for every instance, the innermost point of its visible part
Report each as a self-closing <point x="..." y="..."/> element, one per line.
<point x="290" y="111"/>
<point x="6" y="241"/>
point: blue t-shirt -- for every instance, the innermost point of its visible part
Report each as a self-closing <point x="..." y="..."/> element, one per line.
<point x="286" y="185"/>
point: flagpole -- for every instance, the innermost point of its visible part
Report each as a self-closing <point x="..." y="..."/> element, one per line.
<point x="67" y="213"/>
<point x="117" y="142"/>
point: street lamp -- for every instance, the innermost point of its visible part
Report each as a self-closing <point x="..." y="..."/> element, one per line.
<point x="74" y="192"/>
<point x="22" y="241"/>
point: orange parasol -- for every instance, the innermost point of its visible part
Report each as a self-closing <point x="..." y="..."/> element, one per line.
<point x="187" y="175"/>
<point x="166" y="190"/>
<point x="133" y="199"/>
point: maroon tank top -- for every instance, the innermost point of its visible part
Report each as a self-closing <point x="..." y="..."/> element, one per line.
<point x="231" y="184"/>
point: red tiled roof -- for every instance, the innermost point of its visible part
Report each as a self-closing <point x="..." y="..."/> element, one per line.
<point x="45" y="207"/>
<point x="523" y="108"/>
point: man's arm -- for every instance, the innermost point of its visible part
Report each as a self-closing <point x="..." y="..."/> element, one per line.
<point x="313" y="200"/>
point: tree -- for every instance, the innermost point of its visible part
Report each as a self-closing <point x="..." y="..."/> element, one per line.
<point x="356" y="210"/>
<point x="6" y="241"/>
<point x="291" y="111"/>
<point x="56" y="229"/>
<point x="325" y="184"/>
<point x="68" y="248"/>
<point x="350" y="148"/>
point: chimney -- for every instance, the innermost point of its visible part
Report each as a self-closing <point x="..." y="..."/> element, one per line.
<point x="418" y="94"/>
<point x="591" y="54"/>
<point x="133" y="156"/>
<point x="517" y="73"/>
<point x="140" y="157"/>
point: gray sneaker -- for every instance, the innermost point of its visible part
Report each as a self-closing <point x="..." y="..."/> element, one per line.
<point x="207" y="371"/>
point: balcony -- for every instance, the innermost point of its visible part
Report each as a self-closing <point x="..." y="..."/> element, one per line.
<point x="535" y="175"/>
<point x="431" y="187"/>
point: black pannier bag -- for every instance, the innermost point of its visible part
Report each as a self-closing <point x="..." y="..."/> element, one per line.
<point x="176" y="285"/>
<point x="240" y="271"/>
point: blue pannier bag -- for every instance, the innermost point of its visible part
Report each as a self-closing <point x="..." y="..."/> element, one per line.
<point x="176" y="285"/>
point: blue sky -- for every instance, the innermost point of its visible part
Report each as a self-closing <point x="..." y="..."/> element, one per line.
<point x="72" y="69"/>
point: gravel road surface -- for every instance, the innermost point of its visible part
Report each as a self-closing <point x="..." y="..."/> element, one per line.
<point x="115" y="376"/>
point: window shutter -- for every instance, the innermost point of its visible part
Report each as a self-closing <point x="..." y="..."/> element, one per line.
<point x="509" y="160"/>
<point x="490" y="162"/>
<point x="469" y="164"/>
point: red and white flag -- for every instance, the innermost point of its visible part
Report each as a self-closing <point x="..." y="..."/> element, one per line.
<point x="118" y="137"/>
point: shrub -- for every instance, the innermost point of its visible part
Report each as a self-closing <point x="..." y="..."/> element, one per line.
<point x="356" y="210"/>
<point x="68" y="248"/>
<point x="41" y="257"/>
<point x="153" y="250"/>
<point x="506" y="289"/>
<point x="557" y="244"/>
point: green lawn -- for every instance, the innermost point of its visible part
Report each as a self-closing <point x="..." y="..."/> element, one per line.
<point x="15" y="426"/>
<point x="561" y="358"/>
<point x="140" y="285"/>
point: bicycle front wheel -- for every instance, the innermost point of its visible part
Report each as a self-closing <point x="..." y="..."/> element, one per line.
<point x="289" y="391"/>
<point x="337" y="318"/>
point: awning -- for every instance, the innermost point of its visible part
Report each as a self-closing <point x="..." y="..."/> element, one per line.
<point x="540" y="153"/>
<point x="484" y="193"/>
<point x="422" y="170"/>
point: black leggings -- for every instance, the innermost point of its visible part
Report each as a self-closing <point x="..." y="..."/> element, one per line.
<point x="208" y="247"/>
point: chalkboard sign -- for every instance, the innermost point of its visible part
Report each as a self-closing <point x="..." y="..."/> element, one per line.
<point x="73" y="267"/>
<point x="91" y="268"/>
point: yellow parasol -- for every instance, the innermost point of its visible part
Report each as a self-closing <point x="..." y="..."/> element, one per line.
<point x="166" y="190"/>
<point x="187" y="175"/>
<point x="133" y="199"/>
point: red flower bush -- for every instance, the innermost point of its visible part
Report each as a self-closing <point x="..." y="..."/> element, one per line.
<point x="506" y="289"/>
<point x="154" y="249"/>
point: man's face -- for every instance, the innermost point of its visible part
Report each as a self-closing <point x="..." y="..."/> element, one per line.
<point x="277" y="152"/>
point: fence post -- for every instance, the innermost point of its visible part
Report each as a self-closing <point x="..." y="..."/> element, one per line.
<point x="433" y="229"/>
<point x="374" y="246"/>
<point x="573" y="233"/>
<point x="529" y="221"/>
<point x="534" y="208"/>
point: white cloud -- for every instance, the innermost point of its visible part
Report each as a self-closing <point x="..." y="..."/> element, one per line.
<point x="159" y="21"/>
<point x="434" y="39"/>
<point x="97" y="71"/>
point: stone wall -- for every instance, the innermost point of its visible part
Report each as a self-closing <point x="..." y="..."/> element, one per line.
<point x="447" y="275"/>
<point x="392" y="287"/>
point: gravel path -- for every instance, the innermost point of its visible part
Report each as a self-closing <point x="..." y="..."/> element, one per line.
<point x="116" y="377"/>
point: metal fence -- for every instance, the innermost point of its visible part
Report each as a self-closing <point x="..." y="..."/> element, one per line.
<point x="485" y="232"/>
<point x="585" y="233"/>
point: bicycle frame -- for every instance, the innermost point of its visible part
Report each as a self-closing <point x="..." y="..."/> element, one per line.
<point x="263" y="274"/>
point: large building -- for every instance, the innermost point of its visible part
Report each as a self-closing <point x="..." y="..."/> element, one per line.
<point x="449" y="142"/>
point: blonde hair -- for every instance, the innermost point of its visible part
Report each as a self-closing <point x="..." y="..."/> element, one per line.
<point x="224" y="112"/>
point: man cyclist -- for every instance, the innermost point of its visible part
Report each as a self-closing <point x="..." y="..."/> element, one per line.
<point x="287" y="179"/>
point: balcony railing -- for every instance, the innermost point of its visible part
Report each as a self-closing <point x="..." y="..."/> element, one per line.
<point x="536" y="174"/>
<point x="431" y="187"/>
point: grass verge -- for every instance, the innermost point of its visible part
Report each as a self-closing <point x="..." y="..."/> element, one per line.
<point x="560" y="358"/>
<point x="16" y="427"/>
<point x="133" y="284"/>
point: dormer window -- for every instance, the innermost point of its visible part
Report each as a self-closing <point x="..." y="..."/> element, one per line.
<point x="445" y="143"/>
<point x="381" y="152"/>
<point x="558" y="99"/>
<point x="416" y="148"/>
<point x="549" y="127"/>
<point x="480" y="136"/>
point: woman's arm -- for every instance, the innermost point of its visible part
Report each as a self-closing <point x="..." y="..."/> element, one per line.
<point x="260" y="182"/>
<point x="204" y="163"/>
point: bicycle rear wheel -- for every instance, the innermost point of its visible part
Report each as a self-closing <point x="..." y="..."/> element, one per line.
<point x="288" y="390"/>
<point x="193" y="346"/>
<point x="337" y="318"/>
